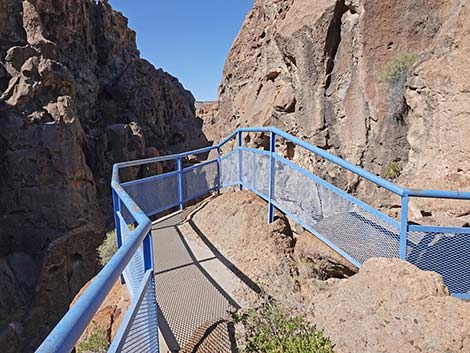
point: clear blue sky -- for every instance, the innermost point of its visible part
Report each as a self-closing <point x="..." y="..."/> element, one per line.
<point x="189" y="39"/>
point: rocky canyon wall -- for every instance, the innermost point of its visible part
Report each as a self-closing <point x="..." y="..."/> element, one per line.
<point x="75" y="97"/>
<point x="383" y="84"/>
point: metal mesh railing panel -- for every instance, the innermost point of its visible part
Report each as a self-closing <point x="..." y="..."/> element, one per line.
<point x="360" y="234"/>
<point x="445" y="253"/>
<point x="255" y="171"/>
<point x="348" y="226"/>
<point x="143" y="333"/>
<point x="303" y="197"/>
<point x="229" y="169"/>
<point x="134" y="271"/>
<point x="248" y="174"/>
<point x="199" y="180"/>
<point x="154" y="194"/>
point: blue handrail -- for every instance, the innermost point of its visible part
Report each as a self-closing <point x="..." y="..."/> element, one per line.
<point x="67" y="332"/>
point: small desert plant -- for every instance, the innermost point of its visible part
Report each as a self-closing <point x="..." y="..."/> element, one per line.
<point x="432" y="23"/>
<point x="269" y="329"/>
<point x="109" y="246"/>
<point x="392" y="171"/>
<point x="398" y="66"/>
<point x="96" y="342"/>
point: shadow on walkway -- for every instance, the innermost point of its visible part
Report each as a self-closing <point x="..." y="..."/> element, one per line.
<point x="193" y="284"/>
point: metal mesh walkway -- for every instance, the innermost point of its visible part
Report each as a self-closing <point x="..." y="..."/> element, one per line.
<point x="189" y="291"/>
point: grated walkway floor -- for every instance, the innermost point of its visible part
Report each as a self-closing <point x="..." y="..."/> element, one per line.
<point x="193" y="287"/>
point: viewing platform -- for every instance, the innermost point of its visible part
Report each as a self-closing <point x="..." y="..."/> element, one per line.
<point x="179" y="281"/>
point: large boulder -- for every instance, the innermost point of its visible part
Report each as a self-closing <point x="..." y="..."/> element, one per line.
<point x="391" y="306"/>
<point x="236" y="224"/>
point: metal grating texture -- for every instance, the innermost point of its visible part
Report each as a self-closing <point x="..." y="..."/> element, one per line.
<point x="199" y="180"/>
<point x="143" y="333"/>
<point x="153" y="194"/>
<point x="229" y="169"/>
<point x="348" y="226"/>
<point x="187" y="296"/>
<point x="444" y="253"/>
<point x="360" y="234"/>
<point x="255" y="171"/>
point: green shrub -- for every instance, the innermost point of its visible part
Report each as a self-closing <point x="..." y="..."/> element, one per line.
<point x="95" y="343"/>
<point x="269" y="329"/>
<point x="109" y="246"/>
<point x="398" y="66"/>
<point x="392" y="171"/>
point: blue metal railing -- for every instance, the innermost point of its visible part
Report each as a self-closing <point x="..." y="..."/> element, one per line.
<point x="350" y="226"/>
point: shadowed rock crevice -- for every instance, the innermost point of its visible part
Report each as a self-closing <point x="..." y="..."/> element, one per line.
<point x="333" y="39"/>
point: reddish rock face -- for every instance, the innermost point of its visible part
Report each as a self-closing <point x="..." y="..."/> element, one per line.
<point x="110" y="314"/>
<point x="75" y="97"/>
<point x="317" y="69"/>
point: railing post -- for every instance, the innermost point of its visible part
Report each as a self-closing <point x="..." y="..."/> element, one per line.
<point x="403" y="225"/>
<point x="147" y="249"/>
<point x="180" y="183"/>
<point x="240" y="161"/>
<point x="272" y="150"/>
<point x="117" y="223"/>
<point x="219" y="167"/>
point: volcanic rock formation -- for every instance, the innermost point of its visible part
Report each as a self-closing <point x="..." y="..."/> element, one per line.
<point x="383" y="84"/>
<point x="75" y="97"/>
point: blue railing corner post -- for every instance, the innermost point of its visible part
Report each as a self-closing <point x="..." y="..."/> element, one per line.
<point x="147" y="250"/>
<point x="117" y="223"/>
<point x="240" y="160"/>
<point x="180" y="183"/>
<point x="403" y="225"/>
<point x="219" y="170"/>
<point x="272" y="150"/>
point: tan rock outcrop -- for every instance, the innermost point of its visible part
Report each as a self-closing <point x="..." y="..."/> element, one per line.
<point x="391" y="306"/>
<point x="275" y="263"/>
<point x="236" y="222"/>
